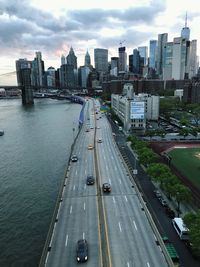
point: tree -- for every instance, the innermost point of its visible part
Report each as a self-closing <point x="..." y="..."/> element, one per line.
<point x="192" y="221"/>
<point x="147" y="156"/>
<point x="194" y="131"/>
<point x="159" y="172"/>
<point x="181" y="194"/>
<point x="184" y="132"/>
<point x="169" y="184"/>
<point x="195" y="110"/>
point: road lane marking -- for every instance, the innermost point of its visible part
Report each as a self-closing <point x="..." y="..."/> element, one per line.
<point x="120" y="181"/>
<point x="70" y="209"/>
<point x="115" y="168"/>
<point x="148" y="264"/>
<point x="84" y="206"/>
<point x="120" y="228"/>
<point x="66" y="240"/>
<point x="114" y="200"/>
<point x="85" y="186"/>
<point x="83" y="235"/>
<point x="112" y="157"/>
<point x="74" y="187"/>
<point x="128" y="265"/>
<point x="135" y="225"/>
<point x="106" y="167"/>
<point x="109" y="181"/>
<point x="86" y="161"/>
<point x="126" y="198"/>
<point x="76" y="172"/>
<point x="104" y="157"/>
<point x="85" y="171"/>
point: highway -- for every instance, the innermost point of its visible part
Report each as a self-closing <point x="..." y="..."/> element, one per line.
<point x="129" y="236"/>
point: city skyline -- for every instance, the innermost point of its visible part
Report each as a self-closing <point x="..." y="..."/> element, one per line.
<point x="30" y="26"/>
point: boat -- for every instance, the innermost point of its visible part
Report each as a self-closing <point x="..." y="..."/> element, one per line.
<point x="1" y="132"/>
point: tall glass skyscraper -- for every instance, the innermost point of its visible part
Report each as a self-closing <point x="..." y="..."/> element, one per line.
<point x="87" y="59"/>
<point x="162" y="40"/>
<point x="185" y="32"/>
<point x="101" y="59"/>
<point x="152" y="54"/>
<point x="72" y="59"/>
<point x="122" y="59"/>
<point x="143" y="50"/>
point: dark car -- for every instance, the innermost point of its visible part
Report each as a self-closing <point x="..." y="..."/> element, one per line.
<point x="106" y="187"/>
<point x="170" y="213"/>
<point x="82" y="250"/>
<point x="90" y="180"/>
<point x="74" y="158"/>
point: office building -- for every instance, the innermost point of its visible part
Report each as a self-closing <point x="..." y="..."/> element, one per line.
<point x="114" y="66"/>
<point x="122" y="59"/>
<point x="193" y="65"/>
<point x="152" y="54"/>
<point x="162" y="40"/>
<point x="143" y="51"/>
<point x="87" y="59"/>
<point x="83" y="76"/>
<point x="101" y="59"/>
<point x="136" y="61"/>
<point x="71" y="59"/>
<point x="167" y="61"/>
<point x="51" y="77"/>
<point x="37" y="71"/>
<point x="185" y="32"/>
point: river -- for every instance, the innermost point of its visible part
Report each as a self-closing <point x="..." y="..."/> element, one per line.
<point x="33" y="156"/>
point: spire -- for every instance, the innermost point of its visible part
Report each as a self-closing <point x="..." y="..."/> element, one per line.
<point x="186" y="20"/>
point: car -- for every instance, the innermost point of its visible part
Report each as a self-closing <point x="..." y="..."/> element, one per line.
<point x="113" y="134"/>
<point x="90" y="180"/>
<point x="90" y="147"/>
<point x="82" y="250"/>
<point x="87" y="130"/>
<point x="106" y="187"/>
<point x="157" y="193"/>
<point x="98" y="127"/>
<point x="74" y="158"/>
<point x="163" y="202"/>
<point x="91" y="127"/>
<point x="170" y="213"/>
<point x="99" y="140"/>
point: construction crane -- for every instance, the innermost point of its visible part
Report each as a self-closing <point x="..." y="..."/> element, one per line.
<point x="121" y="42"/>
<point x="8" y="73"/>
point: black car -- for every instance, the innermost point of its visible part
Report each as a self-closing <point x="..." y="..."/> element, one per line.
<point x="74" y="158"/>
<point x="170" y="213"/>
<point x="82" y="250"/>
<point x="90" y="180"/>
<point x="106" y="187"/>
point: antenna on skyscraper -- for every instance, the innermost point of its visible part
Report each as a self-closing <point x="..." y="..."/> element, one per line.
<point x="186" y="20"/>
<point x="121" y="42"/>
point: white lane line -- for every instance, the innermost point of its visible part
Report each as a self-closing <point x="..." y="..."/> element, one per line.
<point x="135" y="225"/>
<point x="85" y="171"/>
<point x="74" y="187"/>
<point x="120" y="181"/>
<point x="128" y="265"/>
<point x="104" y="157"/>
<point x="126" y="198"/>
<point x="79" y="153"/>
<point x="66" y="240"/>
<point x="70" y="210"/>
<point x="109" y="181"/>
<point x="85" y="186"/>
<point x="120" y="227"/>
<point x="86" y="161"/>
<point x="113" y="199"/>
<point x="112" y="157"/>
<point x="148" y="264"/>
<point x="76" y="172"/>
<point x="84" y="206"/>
<point x="83" y="235"/>
<point x="115" y="168"/>
<point x="106" y="167"/>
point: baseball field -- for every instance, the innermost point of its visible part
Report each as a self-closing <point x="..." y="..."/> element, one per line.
<point x="187" y="161"/>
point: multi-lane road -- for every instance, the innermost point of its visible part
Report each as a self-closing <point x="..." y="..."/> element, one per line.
<point x="126" y="234"/>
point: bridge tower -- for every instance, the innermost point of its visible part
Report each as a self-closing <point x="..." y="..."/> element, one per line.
<point x="27" y="95"/>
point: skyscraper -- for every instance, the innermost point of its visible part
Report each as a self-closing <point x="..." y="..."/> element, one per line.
<point x="162" y="40"/>
<point x="193" y="59"/>
<point x="72" y="59"/>
<point x="180" y="60"/>
<point x="143" y="50"/>
<point x="37" y="70"/>
<point x="87" y="59"/>
<point x="185" y="32"/>
<point x="101" y="59"/>
<point x="122" y="59"/>
<point x="114" y="66"/>
<point x="136" y="61"/>
<point x="63" y="60"/>
<point x="152" y="54"/>
<point x="167" y="61"/>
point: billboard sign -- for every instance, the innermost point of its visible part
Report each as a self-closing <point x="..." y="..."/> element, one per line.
<point x="136" y="110"/>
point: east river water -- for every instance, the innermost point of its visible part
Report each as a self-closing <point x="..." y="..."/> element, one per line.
<point x="33" y="155"/>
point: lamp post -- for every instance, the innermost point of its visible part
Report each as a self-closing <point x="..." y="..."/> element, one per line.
<point x="73" y="129"/>
<point x="135" y="171"/>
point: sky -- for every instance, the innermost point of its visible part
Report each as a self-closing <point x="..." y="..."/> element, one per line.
<point x="52" y="27"/>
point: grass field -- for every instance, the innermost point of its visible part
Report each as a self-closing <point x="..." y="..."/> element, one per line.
<point x="187" y="161"/>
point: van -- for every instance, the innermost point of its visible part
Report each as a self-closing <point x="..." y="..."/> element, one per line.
<point x="120" y="128"/>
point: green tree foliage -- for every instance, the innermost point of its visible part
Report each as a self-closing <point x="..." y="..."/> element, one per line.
<point x="184" y="132"/>
<point x="182" y="194"/>
<point x="195" y="110"/>
<point x="192" y="221"/>
<point x="147" y="156"/>
<point x="159" y="172"/>
<point x="169" y="184"/>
